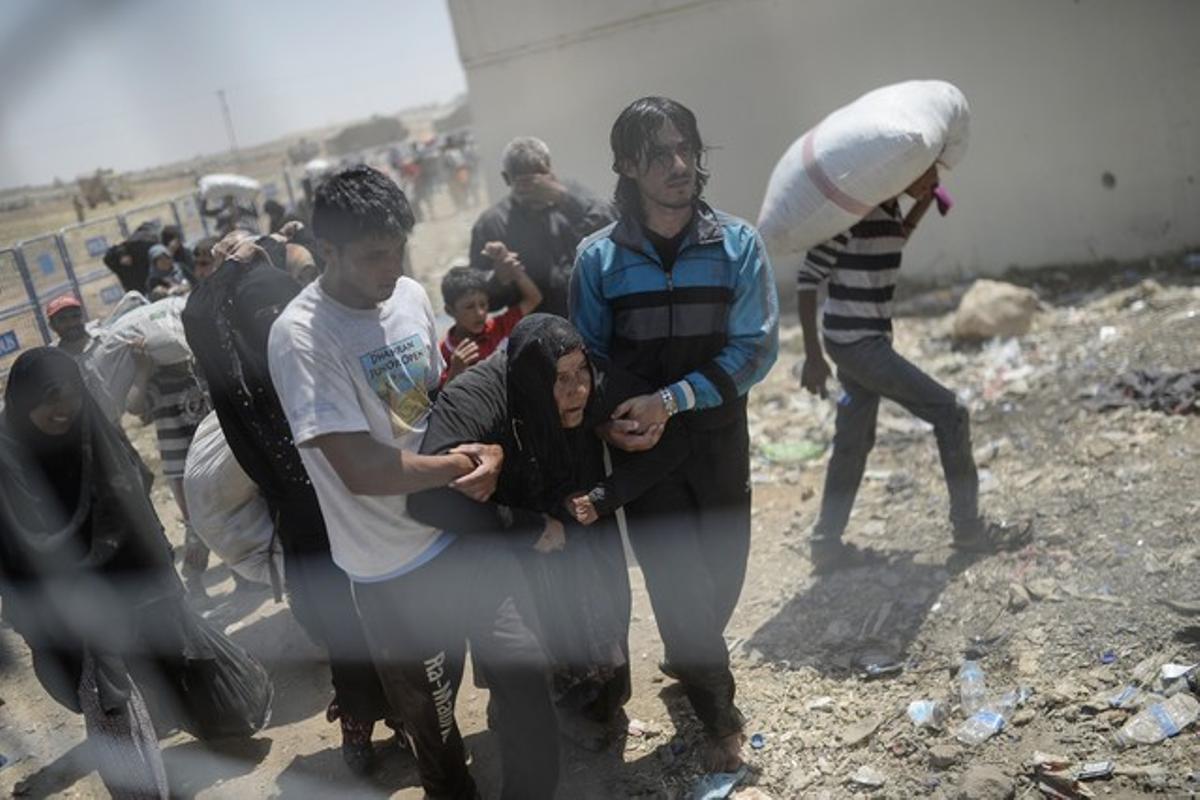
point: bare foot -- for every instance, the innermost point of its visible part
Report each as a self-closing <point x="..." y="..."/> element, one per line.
<point x="725" y="754"/>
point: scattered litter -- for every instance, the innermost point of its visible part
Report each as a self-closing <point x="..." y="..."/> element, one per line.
<point x="796" y="452"/>
<point x="718" y="785"/>
<point x="824" y="703"/>
<point x="972" y="686"/>
<point x="882" y="669"/>
<point x="1168" y="392"/>
<point x="979" y="727"/>
<point x="868" y="776"/>
<point x="1095" y="770"/>
<point x="1049" y="762"/>
<point x="1160" y="721"/>
<point x="1108" y="657"/>
<point x="757" y="741"/>
<point x="1125" y="697"/>
<point x="928" y="713"/>
<point x="640" y="729"/>
<point x="1061" y="786"/>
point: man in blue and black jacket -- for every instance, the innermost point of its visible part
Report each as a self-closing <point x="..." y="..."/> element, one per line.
<point x="682" y="297"/>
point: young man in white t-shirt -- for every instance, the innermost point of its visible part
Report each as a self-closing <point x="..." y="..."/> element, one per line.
<point x="354" y="359"/>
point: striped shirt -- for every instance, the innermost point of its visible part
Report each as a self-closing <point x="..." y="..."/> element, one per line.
<point x="861" y="267"/>
<point x="179" y="402"/>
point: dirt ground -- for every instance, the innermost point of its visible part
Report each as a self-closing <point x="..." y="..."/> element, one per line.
<point x="1112" y="499"/>
<point x="48" y="216"/>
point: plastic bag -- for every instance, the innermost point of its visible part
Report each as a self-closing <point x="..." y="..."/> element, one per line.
<point x="856" y="158"/>
<point x="225" y="507"/>
<point x="225" y="691"/>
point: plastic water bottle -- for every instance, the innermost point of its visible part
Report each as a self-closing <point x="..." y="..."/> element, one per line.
<point x="979" y="727"/>
<point x="1160" y="721"/>
<point x="928" y="713"/>
<point x="837" y="393"/>
<point x="1006" y="703"/>
<point x="833" y="388"/>
<point x="972" y="687"/>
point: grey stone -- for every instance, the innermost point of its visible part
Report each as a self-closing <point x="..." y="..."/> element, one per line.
<point x="944" y="756"/>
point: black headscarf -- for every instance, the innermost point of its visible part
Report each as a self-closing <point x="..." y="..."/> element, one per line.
<point x="227" y="321"/>
<point x="35" y="376"/>
<point x="534" y="348"/>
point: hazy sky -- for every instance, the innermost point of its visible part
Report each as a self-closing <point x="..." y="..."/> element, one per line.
<point x="132" y="83"/>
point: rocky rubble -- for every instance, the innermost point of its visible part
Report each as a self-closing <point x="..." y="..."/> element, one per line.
<point x="1073" y="617"/>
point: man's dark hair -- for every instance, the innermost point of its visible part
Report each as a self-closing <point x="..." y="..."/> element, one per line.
<point x="632" y="138"/>
<point x="171" y="233"/>
<point x="273" y="207"/>
<point x="360" y="203"/>
<point x="458" y="282"/>
<point x="205" y="245"/>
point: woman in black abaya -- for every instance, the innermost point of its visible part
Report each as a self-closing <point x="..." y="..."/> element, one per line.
<point x="87" y="579"/>
<point x="541" y="402"/>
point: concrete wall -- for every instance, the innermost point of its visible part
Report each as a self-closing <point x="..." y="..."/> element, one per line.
<point x="1062" y="91"/>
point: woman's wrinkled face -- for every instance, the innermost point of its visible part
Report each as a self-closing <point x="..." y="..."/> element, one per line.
<point x="59" y="409"/>
<point x="572" y="387"/>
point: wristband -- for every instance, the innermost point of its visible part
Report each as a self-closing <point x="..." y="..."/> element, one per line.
<point x="668" y="401"/>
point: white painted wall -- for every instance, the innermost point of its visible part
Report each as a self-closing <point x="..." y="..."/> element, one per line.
<point x="1062" y="91"/>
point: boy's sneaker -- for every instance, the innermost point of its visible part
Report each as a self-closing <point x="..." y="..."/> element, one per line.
<point x="988" y="536"/>
<point x="833" y="555"/>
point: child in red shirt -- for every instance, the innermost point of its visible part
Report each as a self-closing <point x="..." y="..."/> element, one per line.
<point x="474" y="335"/>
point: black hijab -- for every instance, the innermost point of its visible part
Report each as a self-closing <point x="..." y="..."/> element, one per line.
<point x="534" y="348"/>
<point x="75" y="502"/>
<point x="35" y="377"/>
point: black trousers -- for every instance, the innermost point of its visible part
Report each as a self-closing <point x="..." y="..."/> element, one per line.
<point x="691" y="534"/>
<point x="418" y="625"/>
<point x="320" y="597"/>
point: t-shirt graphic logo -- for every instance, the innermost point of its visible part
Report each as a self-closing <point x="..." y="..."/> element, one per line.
<point x="398" y="373"/>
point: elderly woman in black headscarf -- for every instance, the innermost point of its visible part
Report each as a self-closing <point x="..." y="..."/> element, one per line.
<point x="542" y="400"/>
<point x="87" y="579"/>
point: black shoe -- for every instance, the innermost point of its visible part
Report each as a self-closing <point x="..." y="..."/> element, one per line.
<point x="359" y="757"/>
<point x="358" y="751"/>
<point x="833" y="555"/>
<point x="399" y="738"/>
<point x="987" y="536"/>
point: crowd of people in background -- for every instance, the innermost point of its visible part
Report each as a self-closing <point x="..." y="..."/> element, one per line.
<point x="438" y="491"/>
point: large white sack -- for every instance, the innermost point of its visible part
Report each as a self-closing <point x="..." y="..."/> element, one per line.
<point x="128" y="302"/>
<point x="225" y="507"/>
<point x="856" y="158"/>
<point x="218" y="186"/>
<point x="156" y="328"/>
